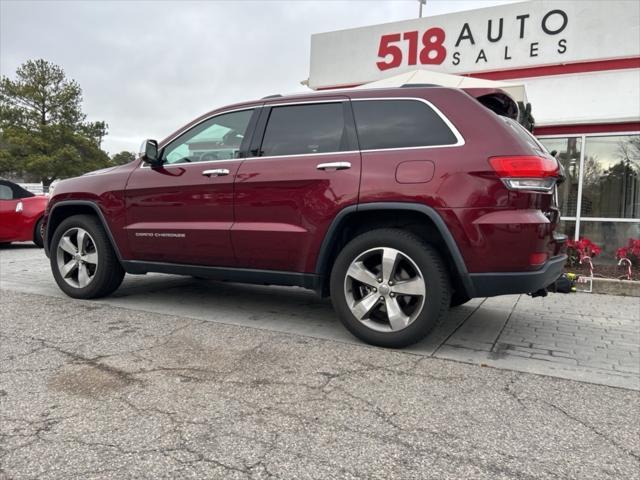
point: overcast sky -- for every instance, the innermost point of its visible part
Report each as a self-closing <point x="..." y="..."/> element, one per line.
<point x="148" y="67"/>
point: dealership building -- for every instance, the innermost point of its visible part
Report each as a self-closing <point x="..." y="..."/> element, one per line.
<point x="577" y="63"/>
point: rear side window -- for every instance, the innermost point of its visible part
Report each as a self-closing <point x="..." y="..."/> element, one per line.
<point x="304" y="129"/>
<point x="399" y="124"/>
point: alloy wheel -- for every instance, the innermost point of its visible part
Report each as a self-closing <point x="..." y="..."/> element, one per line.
<point x="384" y="289"/>
<point x="77" y="257"/>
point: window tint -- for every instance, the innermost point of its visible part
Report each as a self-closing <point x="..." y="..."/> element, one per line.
<point x="5" y="192"/>
<point x="219" y="138"/>
<point x="399" y="124"/>
<point x="300" y="129"/>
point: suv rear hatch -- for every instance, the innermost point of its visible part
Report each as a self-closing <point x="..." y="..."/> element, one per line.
<point x="534" y="181"/>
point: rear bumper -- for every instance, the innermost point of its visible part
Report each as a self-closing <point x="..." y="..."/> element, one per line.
<point x="504" y="283"/>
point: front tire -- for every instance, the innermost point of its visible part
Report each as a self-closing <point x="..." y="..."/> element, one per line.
<point x="390" y="288"/>
<point x="83" y="261"/>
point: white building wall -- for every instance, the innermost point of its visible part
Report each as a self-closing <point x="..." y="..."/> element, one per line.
<point x="582" y="98"/>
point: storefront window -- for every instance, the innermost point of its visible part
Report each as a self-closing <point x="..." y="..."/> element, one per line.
<point x="609" y="236"/>
<point x="611" y="177"/>
<point x="568" y="154"/>
<point x="568" y="228"/>
<point x="610" y="186"/>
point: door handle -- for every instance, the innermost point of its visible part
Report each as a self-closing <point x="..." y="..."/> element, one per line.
<point x="334" y="166"/>
<point x="216" y="172"/>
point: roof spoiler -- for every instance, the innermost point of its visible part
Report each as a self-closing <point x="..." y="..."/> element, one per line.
<point x="501" y="103"/>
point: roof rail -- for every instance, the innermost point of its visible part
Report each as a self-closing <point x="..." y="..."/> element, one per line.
<point x="415" y="85"/>
<point x="277" y="95"/>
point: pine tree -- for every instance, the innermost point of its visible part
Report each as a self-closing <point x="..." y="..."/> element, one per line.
<point x="43" y="131"/>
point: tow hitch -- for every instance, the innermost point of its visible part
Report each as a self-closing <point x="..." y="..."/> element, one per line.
<point x="566" y="283"/>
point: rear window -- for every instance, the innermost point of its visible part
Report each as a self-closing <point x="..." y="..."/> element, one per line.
<point x="304" y="129"/>
<point x="399" y="124"/>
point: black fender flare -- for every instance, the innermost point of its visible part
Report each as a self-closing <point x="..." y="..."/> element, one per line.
<point x="459" y="264"/>
<point x="84" y="203"/>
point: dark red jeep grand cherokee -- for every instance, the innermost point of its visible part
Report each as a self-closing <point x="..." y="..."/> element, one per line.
<point x="398" y="203"/>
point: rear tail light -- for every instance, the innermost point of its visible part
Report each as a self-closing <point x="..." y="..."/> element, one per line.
<point x="537" y="259"/>
<point x="538" y="174"/>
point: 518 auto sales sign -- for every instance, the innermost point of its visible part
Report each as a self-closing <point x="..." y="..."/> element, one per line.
<point x="518" y="35"/>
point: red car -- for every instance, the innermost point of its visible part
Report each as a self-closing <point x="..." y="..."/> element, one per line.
<point x="395" y="202"/>
<point x="21" y="214"/>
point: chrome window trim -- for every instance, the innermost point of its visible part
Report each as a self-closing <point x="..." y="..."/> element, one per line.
<point x="270" y="157"/>
<point x="186" y="164"/>
<point x="393" y="149"/>
<point x="190" y="164"/>
<point x="459" y="138"/>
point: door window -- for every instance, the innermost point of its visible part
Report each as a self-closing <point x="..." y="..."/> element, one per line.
<point x="305" y="129"/>
<point x="13" y="191"/>
<point x="383" y="124"/>
<point x="5" y="192"/>
<point x="218" y="138"/>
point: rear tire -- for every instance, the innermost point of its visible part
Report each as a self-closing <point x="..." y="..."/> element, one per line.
<point x="37" y="234"/>
<point x="390" y="288"/>
<point x="77" y="243"/>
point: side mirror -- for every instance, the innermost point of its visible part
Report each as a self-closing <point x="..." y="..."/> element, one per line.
<point x="149" y="153"/>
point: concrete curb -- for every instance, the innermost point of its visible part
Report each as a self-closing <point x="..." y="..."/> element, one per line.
<point x="609" y="286"/>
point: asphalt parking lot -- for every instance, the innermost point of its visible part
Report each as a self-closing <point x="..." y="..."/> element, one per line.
<point x="181" y="378"/>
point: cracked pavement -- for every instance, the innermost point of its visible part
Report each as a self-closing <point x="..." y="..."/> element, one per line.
<point x="584" y="337"/>
<point x="89" y="390"/>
